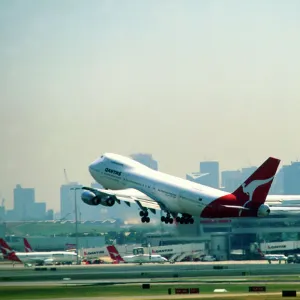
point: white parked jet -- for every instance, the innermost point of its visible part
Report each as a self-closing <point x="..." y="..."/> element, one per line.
<point x="139" y="258"/>
<point x="272" y="257"/>
<point x="41" y="258"/>
<point x="126" y="180"/>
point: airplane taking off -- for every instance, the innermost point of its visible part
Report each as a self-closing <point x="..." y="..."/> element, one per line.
<point x="127" y="180"/>
<point x="139" y="258"/>
<point x="41" y="258"/>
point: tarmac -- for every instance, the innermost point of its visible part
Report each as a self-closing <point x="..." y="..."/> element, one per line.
<point x="111" y="272"/>
<point x="148" y="273"/>
<point x="196" y="296"/>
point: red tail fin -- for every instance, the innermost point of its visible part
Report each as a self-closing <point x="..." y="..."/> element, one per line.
<point x="260" y="252"/>
<point x="114" y="254"/>
<point x="256" y="188"/>
<point x="7" y="252"/>
<point x="27" y="246"/>
<point x="5" y="249"/>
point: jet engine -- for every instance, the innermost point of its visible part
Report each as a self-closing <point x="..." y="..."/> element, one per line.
<point x="90" y="198"/>
<point x="263" y="210"/>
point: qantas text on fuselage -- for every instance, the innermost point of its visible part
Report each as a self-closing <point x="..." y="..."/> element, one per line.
<point x="125" y="180"/>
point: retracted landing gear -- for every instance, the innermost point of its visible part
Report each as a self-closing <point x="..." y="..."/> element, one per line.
<point x="185" y="219"/>
<point x="144" y="216"/>
<point x="167" y="219"/>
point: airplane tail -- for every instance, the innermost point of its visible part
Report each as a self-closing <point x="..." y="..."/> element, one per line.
<point x="5" y="249"/>
<point x="256" y="188"/>
<point x="7" y="252"/>
<point x="260" y="252"/>
<point x="27" y="246"/>
<point x="114" y="254"/>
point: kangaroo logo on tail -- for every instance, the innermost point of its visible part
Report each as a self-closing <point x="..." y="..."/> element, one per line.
<point x="27" y="246"/>
<point x="114" y="254"/>
<point x="250" y="188"/>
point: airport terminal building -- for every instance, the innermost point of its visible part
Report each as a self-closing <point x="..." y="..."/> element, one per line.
<point x="235" y="238"/>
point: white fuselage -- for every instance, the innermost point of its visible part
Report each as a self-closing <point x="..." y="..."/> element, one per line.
<point x="46" y="257"/>
<point x="177" y="195"/>
<point x="275" y="257"/>
<point x="144" y="258"/>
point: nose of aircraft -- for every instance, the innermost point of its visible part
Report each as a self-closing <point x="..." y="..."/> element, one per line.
<point x="93" y="167"/>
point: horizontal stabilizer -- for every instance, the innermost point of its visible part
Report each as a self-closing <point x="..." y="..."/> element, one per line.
<point x="285" y="208"/>
<point x="236" y="207"/>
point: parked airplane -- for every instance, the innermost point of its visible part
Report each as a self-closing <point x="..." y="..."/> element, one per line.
<point x="126" y="180"/>
<point x="272" y="257"/>
<point x="139" y="258"/>
<point x="40" y="258"/>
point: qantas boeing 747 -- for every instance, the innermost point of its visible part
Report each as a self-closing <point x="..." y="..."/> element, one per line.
<point x="126" y="180"/>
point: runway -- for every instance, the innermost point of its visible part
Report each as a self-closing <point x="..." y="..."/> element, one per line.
<point x="159" y="297"/>
<point x="147" y="271"/>
<point x="8" y="265"/>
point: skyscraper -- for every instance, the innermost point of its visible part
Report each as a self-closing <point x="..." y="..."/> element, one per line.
<point x="145" y="159"/>
<point x="67" y="200"/>
<point x="231" y="180"/>
<point x="246" y="172"/>
<point x="291" y="179"/>
<point x="211" y="168"/>
<point x="24" y="199"/>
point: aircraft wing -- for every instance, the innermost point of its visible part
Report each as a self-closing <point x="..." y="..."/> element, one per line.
<point x="236" y="207"/>
<point x="128" y="196"/>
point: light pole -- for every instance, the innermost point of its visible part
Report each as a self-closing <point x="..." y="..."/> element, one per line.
<point x="76" y="223"/>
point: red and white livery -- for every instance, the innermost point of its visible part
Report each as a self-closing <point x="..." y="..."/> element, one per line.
<point x="125" y="180"/>
<point x="139" y="258"/>
<point x="27" y="246"/>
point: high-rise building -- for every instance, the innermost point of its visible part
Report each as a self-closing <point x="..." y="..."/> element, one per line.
<point x="39" y="210"/>
<point x="2" y="214"/>
<point x="85" y="212"/>
<point x="291" y="179"/>
<point x="67" y="200"/>
<point x="277" y="185"/>
<point x="198" y="178"/>
<point x="145" y="159"/>
<point x="50" y="214"/>
<point x="211" y="168"/>
<point x="246" y="172"/>
<point x="24" y="199"/>
<point x="231" y="180"/>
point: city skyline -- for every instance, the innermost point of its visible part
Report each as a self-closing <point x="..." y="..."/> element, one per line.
<point x="187" y="81"/>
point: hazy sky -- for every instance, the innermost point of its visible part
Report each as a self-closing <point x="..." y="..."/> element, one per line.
<point x="183" y="80"/>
